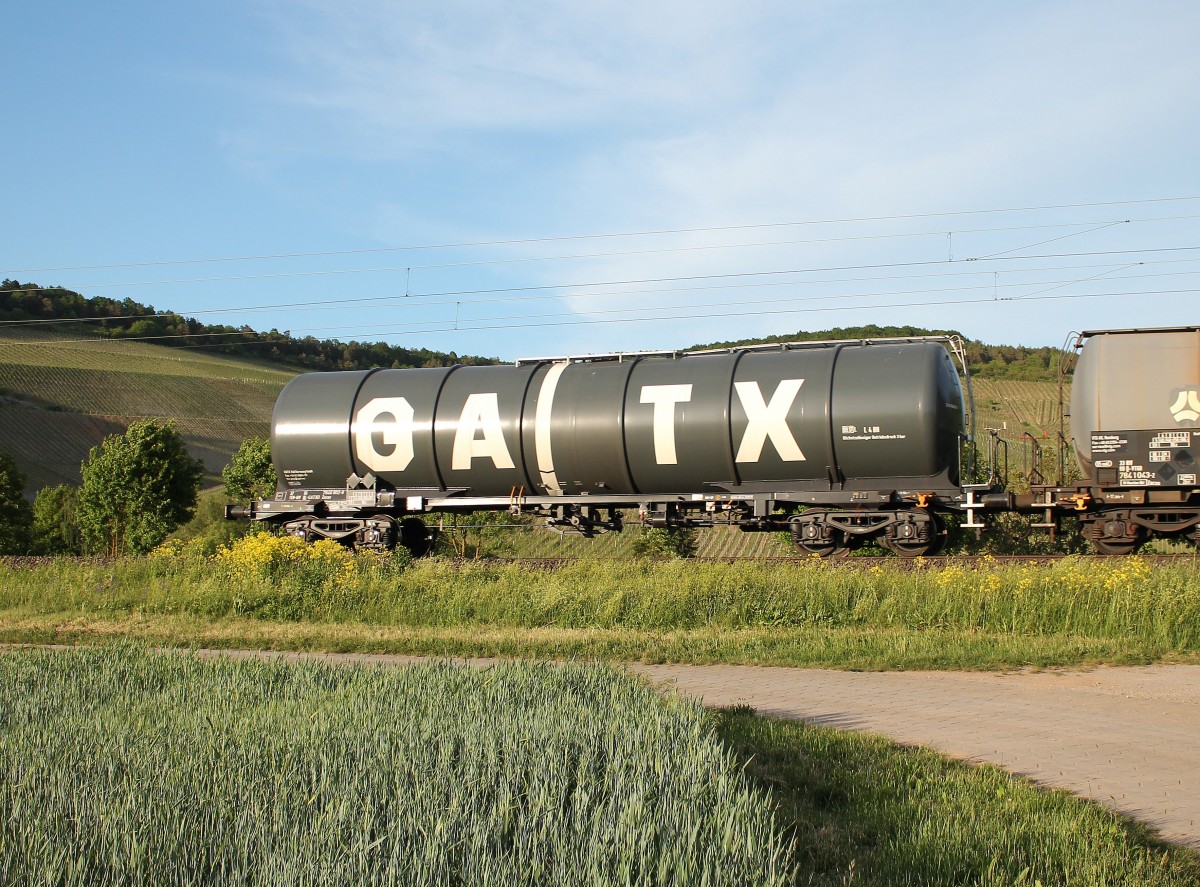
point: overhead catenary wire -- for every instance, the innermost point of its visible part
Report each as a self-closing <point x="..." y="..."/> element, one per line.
<point x="397" y="300"/>
<point x="557" y="289"/>
<point x="690" y="316"/>
<point x="408" y="269"/>
<point x="692" y="305"/>
<point x="618" y="234"/>
<point x="460" y="320"/>
<point x="576" y="294"/>
<point x="461" y="326"/>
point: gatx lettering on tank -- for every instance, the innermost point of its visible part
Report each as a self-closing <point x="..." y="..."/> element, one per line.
<point x="479" y="434"/>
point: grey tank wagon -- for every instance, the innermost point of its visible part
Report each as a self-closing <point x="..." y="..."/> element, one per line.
<point x="838" y="443"/>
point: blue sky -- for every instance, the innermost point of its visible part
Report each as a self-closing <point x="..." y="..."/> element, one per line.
<point x="860" y="147"/>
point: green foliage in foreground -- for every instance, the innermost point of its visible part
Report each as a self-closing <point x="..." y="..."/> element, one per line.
<point x="656" y="542"/>
<point x="123" y="766"/>
<point x="120" y="765"/>
<point x="55" y="526"/>
<point x="250" y="473"/>
<point x="1124" y="603"/>
<point x="866" y="812"/>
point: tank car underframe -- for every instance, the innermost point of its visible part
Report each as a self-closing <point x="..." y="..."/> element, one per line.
<point x="1119" y="520"/>
<point x="823" y="523"/>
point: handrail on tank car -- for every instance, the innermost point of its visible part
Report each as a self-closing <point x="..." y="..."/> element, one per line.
<point x="955" y="343"/>
<point x="997" y="458"/>
<point x="618" y="356"/>
<point x="1087" y="334"/>
<point x="1031" y="460"/>
<point x="1066" y="366"/>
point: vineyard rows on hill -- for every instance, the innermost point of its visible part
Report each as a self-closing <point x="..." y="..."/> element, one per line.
<point x="538" y="542"/>
<point x="60" y="397"/>
<point x="38" y="348"/>
<point x="48" y="446"/>
<point x="1016" y="407"/>
<point x="138" y="395"/>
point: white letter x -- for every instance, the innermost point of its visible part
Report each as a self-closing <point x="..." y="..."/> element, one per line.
<point x="768" y="420"/>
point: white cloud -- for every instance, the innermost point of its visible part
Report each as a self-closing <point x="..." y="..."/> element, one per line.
<point x="608" y="115"/>
<point x="545" y="65"/>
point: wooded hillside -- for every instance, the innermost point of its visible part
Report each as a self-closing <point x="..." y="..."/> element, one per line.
<point x="124" y="319"/>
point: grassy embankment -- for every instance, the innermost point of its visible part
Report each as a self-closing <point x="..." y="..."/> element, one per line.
<point x="125" y="766"/>
<point x="273" y="594"/>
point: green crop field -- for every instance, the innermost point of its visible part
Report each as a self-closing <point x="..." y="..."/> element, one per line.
<point x="121" y="765"/>
<point x="61" y="394"/>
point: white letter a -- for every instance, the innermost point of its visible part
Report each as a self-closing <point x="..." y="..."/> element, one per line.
<point x="481" y="413"/>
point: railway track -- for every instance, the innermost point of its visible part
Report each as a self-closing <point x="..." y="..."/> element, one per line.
<point x="864" y="562"/>
<point x="848" y="563"/>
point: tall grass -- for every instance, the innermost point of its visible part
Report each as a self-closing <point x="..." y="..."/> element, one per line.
<point x="1118" y="599"/>
<point x="120" y="766"/>
<point x="283" y="595"/>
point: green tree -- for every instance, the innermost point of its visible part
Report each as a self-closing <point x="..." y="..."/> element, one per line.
<point x="55" y="525"/>
<point x="16" y="517"/>
<point x="250" y="474"/>
<point x="137" y="488"/>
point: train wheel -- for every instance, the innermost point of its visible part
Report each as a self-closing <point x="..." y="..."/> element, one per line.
<point x="838" y="546"/>
<point x="416" y="536"/>
<point x="1116" y="547"/>
<point x="1116" y="536"/>
<point x="916" y="549"/>
<point x="920" y="549"/>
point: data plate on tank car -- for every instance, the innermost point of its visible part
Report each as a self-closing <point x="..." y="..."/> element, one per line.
<point x="1146" y="458"/>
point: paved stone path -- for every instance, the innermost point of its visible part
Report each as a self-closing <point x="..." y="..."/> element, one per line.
<point x="1128" y="738"/>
